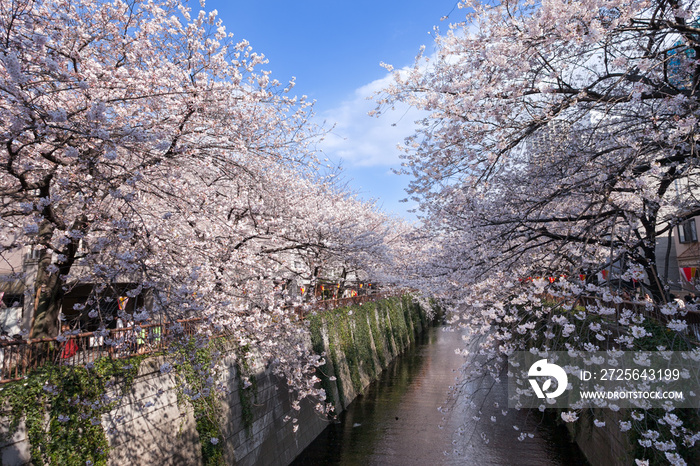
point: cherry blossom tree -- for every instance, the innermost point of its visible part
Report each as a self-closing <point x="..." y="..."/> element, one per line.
<point x="560" y="141"/>
<point x="111" y="112"/>
<point x="561" y="135"/>
<point x="142" y="145"/>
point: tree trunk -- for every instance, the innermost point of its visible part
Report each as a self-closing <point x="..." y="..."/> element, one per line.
<point x="47" y="303"/>
<point x="656" y="284"/>
<point x="49" y="293"/>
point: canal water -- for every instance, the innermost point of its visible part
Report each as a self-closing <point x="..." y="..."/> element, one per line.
<point x="401" y="420"/>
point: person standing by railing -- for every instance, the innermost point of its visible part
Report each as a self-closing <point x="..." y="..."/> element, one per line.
<point x="69" y="346"/>
<point x="155" y="336"/>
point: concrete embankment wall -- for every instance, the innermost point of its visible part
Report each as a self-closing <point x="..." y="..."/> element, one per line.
<point x="605" y="445"/>
<point x="608" y="445"/>
<point x="155" y="424"/>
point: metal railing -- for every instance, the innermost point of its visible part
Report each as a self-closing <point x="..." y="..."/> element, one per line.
<point x="647" y="309"/>
<point x="650" y="310"/>
<point x="302" y="310"/>
<point x="18" y="356"/>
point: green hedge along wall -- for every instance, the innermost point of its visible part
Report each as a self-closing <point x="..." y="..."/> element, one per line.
<point x="360" y="341"/>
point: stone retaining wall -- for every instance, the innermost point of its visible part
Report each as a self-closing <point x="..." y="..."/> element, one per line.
<point x="602" y="445"/>
<point x="359" y="342"/>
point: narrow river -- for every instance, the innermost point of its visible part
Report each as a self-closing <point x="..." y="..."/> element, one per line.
<point x="398" y="422"/>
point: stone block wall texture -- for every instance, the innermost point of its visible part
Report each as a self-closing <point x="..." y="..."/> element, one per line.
<point x="361" y="341"/>
<point x="151" y="427"/>
<point x="606" y="445"/>
<point x="602" y="445"/>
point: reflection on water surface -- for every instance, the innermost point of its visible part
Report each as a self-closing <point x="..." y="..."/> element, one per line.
<point x="397" y="421"/>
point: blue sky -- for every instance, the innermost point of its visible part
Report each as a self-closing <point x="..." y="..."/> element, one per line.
<point x="334" y="49"/>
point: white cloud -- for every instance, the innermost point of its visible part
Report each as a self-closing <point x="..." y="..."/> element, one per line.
<point x="361" y="140"/>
